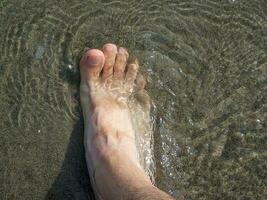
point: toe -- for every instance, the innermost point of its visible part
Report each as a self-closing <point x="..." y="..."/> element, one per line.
<point x="120" y="63"/>
<point x="132" y="70"/>
<point x="140" y="82"/>
<point x="91" y="64"/>
<point x="143" y="99"/>
<point x="110" y="51"/>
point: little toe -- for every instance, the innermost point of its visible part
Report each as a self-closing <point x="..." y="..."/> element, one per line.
<point x="110" y="51"/>
<point x="120" y="64"/>
<point x="91" y="64"/>
<point x="140" y="82"/>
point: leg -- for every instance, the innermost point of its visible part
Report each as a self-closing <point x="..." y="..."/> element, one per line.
<point x="107" y="81"/>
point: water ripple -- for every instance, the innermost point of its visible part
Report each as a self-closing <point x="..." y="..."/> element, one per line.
<point x="205" y="62"/>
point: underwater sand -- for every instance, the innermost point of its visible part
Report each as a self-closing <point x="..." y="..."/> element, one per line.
<point x="206" y="67"/>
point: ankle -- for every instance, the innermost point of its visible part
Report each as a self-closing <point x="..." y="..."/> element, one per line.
<point x="118" y="173"/>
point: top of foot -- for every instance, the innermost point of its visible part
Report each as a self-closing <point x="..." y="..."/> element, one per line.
<point x="108" y="79"/>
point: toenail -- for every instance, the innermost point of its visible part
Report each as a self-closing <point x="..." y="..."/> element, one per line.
<point x="110" y="47"/>
<point x="122" y="50"/>
<point x="94" y="61"/>
<point x="94" y="57"/>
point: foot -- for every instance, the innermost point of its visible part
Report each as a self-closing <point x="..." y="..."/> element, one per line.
<point x="108" y="82"/>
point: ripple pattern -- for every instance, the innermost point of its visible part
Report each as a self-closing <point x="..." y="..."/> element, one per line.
<point x="205" y="62"/>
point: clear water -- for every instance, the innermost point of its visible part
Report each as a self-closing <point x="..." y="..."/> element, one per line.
<point x="206" y="66"/>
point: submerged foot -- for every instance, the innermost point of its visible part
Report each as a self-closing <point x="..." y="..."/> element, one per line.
<point x="108" y="81"/>
<point x="116" y="133"/>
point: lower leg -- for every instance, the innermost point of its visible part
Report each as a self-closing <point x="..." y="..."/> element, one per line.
<point x="126" y="181"/>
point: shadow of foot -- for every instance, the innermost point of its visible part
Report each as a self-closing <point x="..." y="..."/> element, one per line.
<point x="73" y="181"/>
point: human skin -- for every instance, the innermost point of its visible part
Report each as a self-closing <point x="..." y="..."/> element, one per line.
<point x="108" y="78"/>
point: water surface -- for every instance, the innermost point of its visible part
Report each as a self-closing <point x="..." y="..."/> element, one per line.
<point x="206" y="67"/>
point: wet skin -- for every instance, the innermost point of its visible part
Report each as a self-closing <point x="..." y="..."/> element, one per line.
<point x="108" y="79"/>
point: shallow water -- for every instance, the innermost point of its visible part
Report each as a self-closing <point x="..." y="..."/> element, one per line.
<point x="205" y="63"/>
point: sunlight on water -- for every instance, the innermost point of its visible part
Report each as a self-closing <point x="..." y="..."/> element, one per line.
<point x="205" y="66"/>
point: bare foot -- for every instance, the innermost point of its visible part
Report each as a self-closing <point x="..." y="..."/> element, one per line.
<point x="108" y="80"/>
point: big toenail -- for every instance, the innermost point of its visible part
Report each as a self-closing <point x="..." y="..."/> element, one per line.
<point x="94" y="61"/>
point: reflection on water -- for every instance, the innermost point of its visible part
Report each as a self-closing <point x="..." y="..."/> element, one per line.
<point x="205" y="63"/>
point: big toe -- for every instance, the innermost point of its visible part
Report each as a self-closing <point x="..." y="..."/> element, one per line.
<point x="91" y="64"/>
